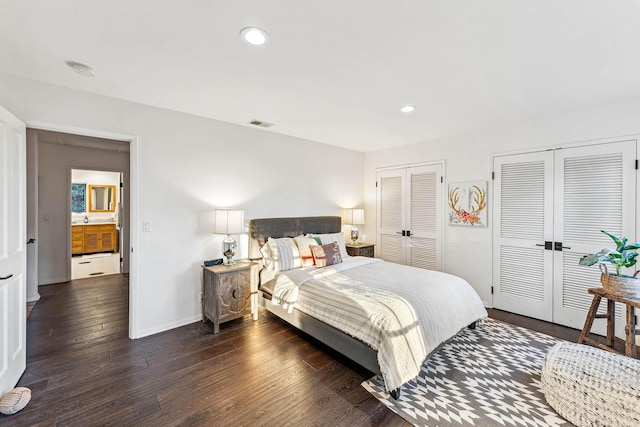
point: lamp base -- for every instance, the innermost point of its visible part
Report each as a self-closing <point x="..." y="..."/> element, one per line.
<point x="229" y="246"/>
<point x="354" y="236"/>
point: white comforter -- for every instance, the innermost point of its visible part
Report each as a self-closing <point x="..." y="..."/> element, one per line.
<point x="402" y="312"/>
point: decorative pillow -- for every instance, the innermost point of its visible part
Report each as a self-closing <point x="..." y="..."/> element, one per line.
<point x="333" y="237"/>
<point x="303" y="244"/>
<point x="326" y="254"/>
<point x="281" y="254"/>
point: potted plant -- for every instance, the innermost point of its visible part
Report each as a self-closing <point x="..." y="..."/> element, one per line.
<point x="624" y="255"/>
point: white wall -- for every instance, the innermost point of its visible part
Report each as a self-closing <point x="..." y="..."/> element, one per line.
<point x="467" y="251"/>
<point x="55" y="163"/>
<point x="187" y="166"/>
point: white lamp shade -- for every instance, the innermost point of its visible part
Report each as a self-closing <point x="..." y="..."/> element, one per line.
<point x="357" y="217"/>
<point x="229" y="221"/>
<point x="354" y="216"/>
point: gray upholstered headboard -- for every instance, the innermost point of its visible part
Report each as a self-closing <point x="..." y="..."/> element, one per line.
<point x="261" y="229"/>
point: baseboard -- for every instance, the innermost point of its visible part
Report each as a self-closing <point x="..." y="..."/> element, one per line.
<point x="33" y="298"/>
<point x="53" y="281"/>
<point x="167" y="326"/>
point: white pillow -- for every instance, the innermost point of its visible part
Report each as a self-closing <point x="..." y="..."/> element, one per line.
<point x="304" y="243"/>
<point x="325" y="239"/>
<point x="281" y="254"/>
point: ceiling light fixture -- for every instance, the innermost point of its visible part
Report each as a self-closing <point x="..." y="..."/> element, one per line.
<point x="254" y="36"/>
<point x="82" y="69"/>
<point x="408" y="109"/>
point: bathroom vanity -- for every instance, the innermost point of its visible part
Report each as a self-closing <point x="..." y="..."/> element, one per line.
<point x="92" y="238"/>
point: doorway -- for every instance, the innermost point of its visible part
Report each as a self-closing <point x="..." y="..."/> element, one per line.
<point x="57" y="155"/>
<point x="96" y="223"/>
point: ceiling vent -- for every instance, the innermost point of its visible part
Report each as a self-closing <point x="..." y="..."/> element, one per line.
<point x="260" y="123"/>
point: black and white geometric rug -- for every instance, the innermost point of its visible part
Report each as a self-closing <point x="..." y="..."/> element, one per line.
<point x="488" y="376"/>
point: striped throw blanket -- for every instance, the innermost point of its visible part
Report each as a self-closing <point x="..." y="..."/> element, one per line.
<point x="404" y="313"/>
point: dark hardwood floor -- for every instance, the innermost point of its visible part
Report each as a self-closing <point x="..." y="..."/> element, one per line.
<point x="83" y="370"/>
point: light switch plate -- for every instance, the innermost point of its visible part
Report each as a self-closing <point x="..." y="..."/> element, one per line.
<point x="146" y="226"/>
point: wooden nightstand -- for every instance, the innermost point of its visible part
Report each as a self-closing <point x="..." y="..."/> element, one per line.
<point x="360" y="249"/>
<point x="230" y="291"/>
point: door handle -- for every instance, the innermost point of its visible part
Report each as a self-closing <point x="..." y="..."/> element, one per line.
<point x="6" y="277"/>
<point x="547" y="245"/>
<point x="31" y="240"/>
<point x="559" y="247"/>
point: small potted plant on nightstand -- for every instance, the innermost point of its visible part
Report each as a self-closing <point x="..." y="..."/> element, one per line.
<point x="624" y="255"/>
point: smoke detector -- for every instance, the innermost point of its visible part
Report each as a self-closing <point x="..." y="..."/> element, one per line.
<point x="82" y="69"/>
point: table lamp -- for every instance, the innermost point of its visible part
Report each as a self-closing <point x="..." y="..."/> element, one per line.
<point x="354" y="218"/>
<point x="229" y="222"/>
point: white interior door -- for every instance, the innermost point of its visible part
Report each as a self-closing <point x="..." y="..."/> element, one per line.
<point x="13" y="260"/>
<point x="594" y="190"/>
<point x="523" y="234"/>
<point x="391" y="209"/>
<point x="410" y="216"/>
<point x="549" y="208"/>
<point x="120" y="224"/>
<point x="425" y="217"/>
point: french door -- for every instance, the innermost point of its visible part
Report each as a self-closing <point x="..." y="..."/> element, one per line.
<point x="549" y="208"/>
<point x="13" y="259"/>
<point x="409" y="216"/>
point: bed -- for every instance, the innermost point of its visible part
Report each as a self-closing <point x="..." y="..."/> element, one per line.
<point x="386" y="317"/>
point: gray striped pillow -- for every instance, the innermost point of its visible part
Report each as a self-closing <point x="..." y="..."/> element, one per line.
<point x="283" y="254"/>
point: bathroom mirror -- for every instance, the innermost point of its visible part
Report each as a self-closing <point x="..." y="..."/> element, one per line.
<point x="102" y="198"/>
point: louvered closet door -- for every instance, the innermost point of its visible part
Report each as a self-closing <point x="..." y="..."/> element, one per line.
<point x="391" y="215"/>
<point x="595" y="190"/>
<point x="425" y="220"/>
<point x="523" y="215"/>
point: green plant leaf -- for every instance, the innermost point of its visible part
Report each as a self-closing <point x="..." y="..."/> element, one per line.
<point x="615" y="239"/>
<point x="623" y="256"/>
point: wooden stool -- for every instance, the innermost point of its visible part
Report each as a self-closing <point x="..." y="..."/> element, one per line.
<point x="630" y="329"/>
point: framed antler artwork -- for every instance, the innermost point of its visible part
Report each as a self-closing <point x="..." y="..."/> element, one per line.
<point x="468" y="203"/>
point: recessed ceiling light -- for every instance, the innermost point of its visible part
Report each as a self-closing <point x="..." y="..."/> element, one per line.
<point x="254" y="36"/>
<point x="408" y="109"/>
<point x="82" y="69"/>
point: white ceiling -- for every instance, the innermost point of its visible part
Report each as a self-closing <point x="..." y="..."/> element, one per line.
<point x="337" y="71"/>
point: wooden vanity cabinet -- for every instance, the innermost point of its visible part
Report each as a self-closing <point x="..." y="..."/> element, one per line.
<point x="77" y="240"/>
<point x="91" y="238"/>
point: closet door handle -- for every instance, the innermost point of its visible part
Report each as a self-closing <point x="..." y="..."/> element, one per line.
<point x="559" y="246"/>
<point x="547" y="245"/>
<point x="6" y="277"/>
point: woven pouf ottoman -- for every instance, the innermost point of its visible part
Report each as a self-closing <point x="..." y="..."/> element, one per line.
<point x="592" y="387"/>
